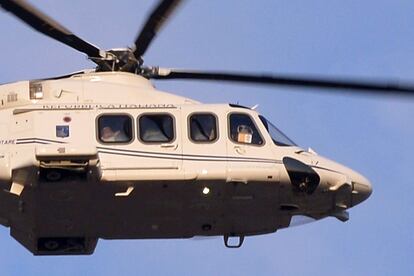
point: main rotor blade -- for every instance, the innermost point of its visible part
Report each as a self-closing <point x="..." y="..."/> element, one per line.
<point x="153" y="24"/>
<point x="46" y="25"/>
<point x="391" y="88"/>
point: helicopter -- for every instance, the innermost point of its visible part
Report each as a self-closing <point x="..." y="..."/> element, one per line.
<point x="102" y="154"/>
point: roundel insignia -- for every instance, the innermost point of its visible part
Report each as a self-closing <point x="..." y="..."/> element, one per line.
<point x="62" y="131"/>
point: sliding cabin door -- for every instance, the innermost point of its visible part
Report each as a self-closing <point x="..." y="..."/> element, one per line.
<point x="204" y="140"/>
<point x="143" y="146"/>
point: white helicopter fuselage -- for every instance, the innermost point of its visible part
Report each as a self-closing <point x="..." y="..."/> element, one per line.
<point x="64" y="185"/>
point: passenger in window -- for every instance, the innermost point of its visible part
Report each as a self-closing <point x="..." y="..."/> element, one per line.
<point x="115" y="128"/>
<point x="109" y="135"/>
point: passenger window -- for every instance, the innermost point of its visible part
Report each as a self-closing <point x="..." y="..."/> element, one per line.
<point x="203" y="127"/>
<point x="115" y="128"/>
<point x="243" y="130"/>
<point x="156" y="128"/>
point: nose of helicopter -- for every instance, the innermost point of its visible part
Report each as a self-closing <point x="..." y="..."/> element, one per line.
<point x="362" y="188"/>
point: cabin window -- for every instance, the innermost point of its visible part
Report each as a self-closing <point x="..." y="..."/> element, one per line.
<point x="243" y="130"/>
<point x="156" y="128"/>
<point x="203" y="127"/>
<point x="115" y="128"/>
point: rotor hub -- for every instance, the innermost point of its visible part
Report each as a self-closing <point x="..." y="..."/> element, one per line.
<point x="119" y="60"/>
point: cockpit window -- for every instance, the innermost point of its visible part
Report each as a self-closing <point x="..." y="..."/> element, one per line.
<point x="278" y="137"/>
<point x="243" y="130"/>
<point x="115" y="128"/>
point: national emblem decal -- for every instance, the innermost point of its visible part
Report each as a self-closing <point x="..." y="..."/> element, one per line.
<point x="62" y="131"/>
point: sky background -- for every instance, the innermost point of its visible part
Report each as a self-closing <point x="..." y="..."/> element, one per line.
<point x="373" y="135"/>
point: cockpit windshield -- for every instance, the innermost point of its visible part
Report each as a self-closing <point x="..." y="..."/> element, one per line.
<point x="278" y="137"/>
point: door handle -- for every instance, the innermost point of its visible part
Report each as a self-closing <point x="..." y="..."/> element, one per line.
<point x="240" y="150"/>
<point x="169" y="146"/>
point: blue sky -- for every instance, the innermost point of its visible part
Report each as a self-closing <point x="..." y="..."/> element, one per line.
<point x="373" y="135"/>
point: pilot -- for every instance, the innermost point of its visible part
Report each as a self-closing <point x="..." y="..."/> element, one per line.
<point x="109" y="135"/>
<point x="244" y="134"/>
